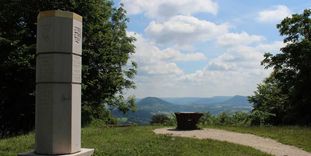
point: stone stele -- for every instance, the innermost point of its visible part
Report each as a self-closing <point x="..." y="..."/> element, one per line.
<point x="58" y="85"/>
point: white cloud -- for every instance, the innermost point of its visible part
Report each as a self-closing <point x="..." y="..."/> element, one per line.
<point x="181" y="30"/>
<point x="169" y="8"/>
<point x="238" y="39"/>
<point x="162" y="68"/>
<point x="275" y="14"/>
<point x="246" y="58"/>
<point x="236" y="71"/>
<point x="153" y="60"/>
<point x="242" y="59"/>
<point x="176" y="55"/>
<point x="218" y="82"/>
<point x="273" y="47"/>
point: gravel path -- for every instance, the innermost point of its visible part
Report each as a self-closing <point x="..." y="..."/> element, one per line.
<point x="263" y="144"/>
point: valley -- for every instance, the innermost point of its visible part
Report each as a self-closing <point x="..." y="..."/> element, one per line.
<point x="149" y="106"/>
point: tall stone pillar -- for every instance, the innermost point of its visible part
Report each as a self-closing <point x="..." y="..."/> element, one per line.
<point x="58" y="84"/>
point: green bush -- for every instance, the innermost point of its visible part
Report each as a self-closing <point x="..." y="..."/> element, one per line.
<point x="223" y="119"/>
<point x="260" y="117"/>
<point x="241" y="118"/>
<point x="207" y="119"/>
<point x="237" y="119"/>
<point x="163" y="119"/>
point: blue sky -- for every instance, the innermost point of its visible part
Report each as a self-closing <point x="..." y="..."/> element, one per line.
<point x="203" y="48"/>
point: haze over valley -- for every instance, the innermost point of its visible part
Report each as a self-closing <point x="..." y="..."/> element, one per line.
<point x="149" y="106"/>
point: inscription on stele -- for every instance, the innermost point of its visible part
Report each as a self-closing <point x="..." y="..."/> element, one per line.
<point x="77" y="34"/>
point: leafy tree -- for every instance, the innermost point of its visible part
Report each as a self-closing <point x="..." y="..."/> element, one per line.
<point x="292" y="72"/>
<point x="106" y="70"/>
<point x="269" y="99"/>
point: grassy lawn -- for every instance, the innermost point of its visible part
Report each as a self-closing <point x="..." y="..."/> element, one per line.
<point x="138" y="140"/>
<point x="291" y="135"/>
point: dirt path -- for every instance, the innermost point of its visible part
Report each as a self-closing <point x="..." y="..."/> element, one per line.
<point x="263" y="144"/>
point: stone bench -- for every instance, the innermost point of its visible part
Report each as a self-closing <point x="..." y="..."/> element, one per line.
<point x="187" y="120"/>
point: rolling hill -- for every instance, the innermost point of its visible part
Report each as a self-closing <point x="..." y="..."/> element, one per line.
<point x="196" y="100"/>
<point x="149" y="106"/>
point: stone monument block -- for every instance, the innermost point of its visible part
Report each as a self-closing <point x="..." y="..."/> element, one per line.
<point x="59" y="116"/>
<point x="59" y="31"/>
<point x="56" y="67"/>
<point x="58" y="85"/>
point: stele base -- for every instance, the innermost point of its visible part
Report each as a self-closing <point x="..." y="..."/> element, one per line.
<point x="83" y="152"/>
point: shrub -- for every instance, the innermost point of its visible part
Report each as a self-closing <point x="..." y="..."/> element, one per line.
<point x="241" y="118"/>
<point x="260" y="117"/>
<point x="163" y="119"/>
<point x="223" y="119"/>
<point x="207" y="119"/>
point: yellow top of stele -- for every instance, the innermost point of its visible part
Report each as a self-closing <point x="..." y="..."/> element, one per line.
<point x="59" y="13"/>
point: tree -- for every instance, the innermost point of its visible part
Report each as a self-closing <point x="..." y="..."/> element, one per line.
<point x="269" y="99"/>
<point x="106" y="70"/>
<point x="292" y="70"/>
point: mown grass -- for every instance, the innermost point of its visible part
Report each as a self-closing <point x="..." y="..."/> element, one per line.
<point x="136" y="140"/>
<point x="291" y="135"/>
<point x="14" y="145"/>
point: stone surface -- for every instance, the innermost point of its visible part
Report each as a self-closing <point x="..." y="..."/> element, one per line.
<point x="58" y="118"/>
<point x="58" y="84"/>
<point x="83" y="152"/>
<point x="59" y="34"/>
<point x="57" y="67"/>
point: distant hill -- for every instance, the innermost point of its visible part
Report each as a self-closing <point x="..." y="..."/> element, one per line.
<point x="237" y="100"/>
<point x="154" y="104"/>
<point x="181" y="100"/>
<point x="212" y="100"/>
<point x="196" y="100"/>
<point x="149" y="106"/>
<point x="152" y="101"/>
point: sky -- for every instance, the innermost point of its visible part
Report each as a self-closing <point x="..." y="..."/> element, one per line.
<point x="204" y="48"/>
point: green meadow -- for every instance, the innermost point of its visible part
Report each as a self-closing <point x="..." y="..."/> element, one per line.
<point x="135" y="140"/>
